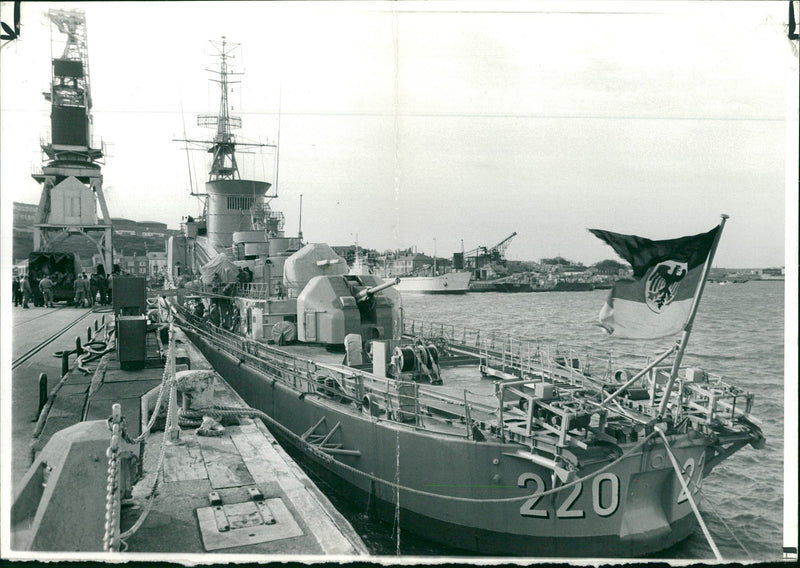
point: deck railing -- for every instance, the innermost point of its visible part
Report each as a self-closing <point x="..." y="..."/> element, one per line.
<point x="401" y="401"/>
<point x="524" y="355"/>
<point x="419" y="406"/>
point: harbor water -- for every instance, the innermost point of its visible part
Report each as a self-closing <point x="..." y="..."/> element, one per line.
<point x="738" y="333"/>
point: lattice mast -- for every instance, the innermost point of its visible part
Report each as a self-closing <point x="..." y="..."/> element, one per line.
<point x="223" y="164"/>
<point x="232" y="204"/>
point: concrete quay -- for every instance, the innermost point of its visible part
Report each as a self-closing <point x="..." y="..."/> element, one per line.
<point x="238" y="493"/>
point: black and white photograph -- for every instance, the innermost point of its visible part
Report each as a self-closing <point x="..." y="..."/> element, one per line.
<point x="401" y="282"/>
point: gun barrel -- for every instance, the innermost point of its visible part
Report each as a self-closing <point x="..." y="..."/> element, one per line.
<point x="364" y="294"/>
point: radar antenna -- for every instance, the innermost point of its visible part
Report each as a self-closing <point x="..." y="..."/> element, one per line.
<point x="224" y="165"/>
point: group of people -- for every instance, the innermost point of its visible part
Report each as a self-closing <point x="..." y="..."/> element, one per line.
<point x="22" y="291"/>
<point x="87" y="290"/>
<point x="83" y="292"/>
<point x="220" y="313"/>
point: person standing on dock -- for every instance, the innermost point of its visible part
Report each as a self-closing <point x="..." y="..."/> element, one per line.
<point x="87" y="290"/>
<point x="80" y="292"/>
<point x="102" y="283"/>
<point x="46" y="286"/>
<point x="27" y="292"/>
<point x="94" y="288"/>
<point x="16" y="291"/>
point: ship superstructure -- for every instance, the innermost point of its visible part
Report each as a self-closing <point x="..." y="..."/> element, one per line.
<point x="237" y="218"/>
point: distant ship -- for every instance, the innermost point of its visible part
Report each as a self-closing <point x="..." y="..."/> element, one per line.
<point x="567" y="286"/>
<point x="426" y="280"/>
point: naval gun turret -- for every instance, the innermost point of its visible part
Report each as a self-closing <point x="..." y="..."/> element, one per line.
<point x="366" y="294"/>
<point x="331" y="307"/>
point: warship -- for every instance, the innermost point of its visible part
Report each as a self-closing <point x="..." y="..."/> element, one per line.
<point x="482" y="441"/>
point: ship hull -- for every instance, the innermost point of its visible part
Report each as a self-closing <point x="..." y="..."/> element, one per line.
<point x="476" y="496"/>
<point x="449" y="283"/>
<point x="500" y="286"/>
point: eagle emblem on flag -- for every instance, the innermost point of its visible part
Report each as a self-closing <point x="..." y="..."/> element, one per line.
<point x="663" y="283"/>
<point x="667" y="274"/>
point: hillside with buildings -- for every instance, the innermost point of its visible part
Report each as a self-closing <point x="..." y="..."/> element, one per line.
<point x="139" y="246"/>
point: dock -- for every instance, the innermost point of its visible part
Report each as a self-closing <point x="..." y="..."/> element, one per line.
<point x="181" y="493"/>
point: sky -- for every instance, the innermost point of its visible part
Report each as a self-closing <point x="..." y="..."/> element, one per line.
<point x="443" y="125"/>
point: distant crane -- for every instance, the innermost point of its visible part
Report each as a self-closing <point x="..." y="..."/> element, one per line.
<point x="483" y="255"/>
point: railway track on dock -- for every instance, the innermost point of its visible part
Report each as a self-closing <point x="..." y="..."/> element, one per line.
<point x="44" y="343"/>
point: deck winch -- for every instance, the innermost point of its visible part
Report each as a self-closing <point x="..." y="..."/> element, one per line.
<point x="418" y="362"/>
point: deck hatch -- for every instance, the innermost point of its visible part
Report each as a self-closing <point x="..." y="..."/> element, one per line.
<point x="247" y="523"/>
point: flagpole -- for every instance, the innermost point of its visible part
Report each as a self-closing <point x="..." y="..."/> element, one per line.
<point x="687" y="329"/>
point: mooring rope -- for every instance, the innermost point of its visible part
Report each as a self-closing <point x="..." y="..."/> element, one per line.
<point x="685" y="487"/>
<point x="165" y="379"/>
<point x="722" y="520"/>
<point x="151" y="496"/>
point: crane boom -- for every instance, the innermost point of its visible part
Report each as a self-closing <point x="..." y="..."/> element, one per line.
<point x="482" y="254"/>
<point x="503" y="245"/>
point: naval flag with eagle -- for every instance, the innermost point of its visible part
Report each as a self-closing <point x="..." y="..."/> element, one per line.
<point x="657" y="303"/>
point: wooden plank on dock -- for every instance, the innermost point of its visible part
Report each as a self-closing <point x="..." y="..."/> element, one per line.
<point x="261" y="459"/>
<point x="224" y="463"/>
<point x="184" y="462"/>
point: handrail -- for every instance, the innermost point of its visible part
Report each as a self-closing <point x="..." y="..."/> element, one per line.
<point x="298" y="371"/>
<point x="576" y="393"/>
<point x="465" y="335"/>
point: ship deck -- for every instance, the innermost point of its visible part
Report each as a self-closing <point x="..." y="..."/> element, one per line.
<point x="444" y="401"/>
<point x="238" y="493"/>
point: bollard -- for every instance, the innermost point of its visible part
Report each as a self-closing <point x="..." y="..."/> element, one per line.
<point x="103" y="320"/>
<point x="78" y="348"/>
<point x="89" y="334"/>
<point x="42" y="394"/>
<point x="96" y="327"/>
<point x="64" y="363"/>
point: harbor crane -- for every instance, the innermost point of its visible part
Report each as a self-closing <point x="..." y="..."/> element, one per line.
<point x="483" y="255"/>
<point x="71" y="175"/>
